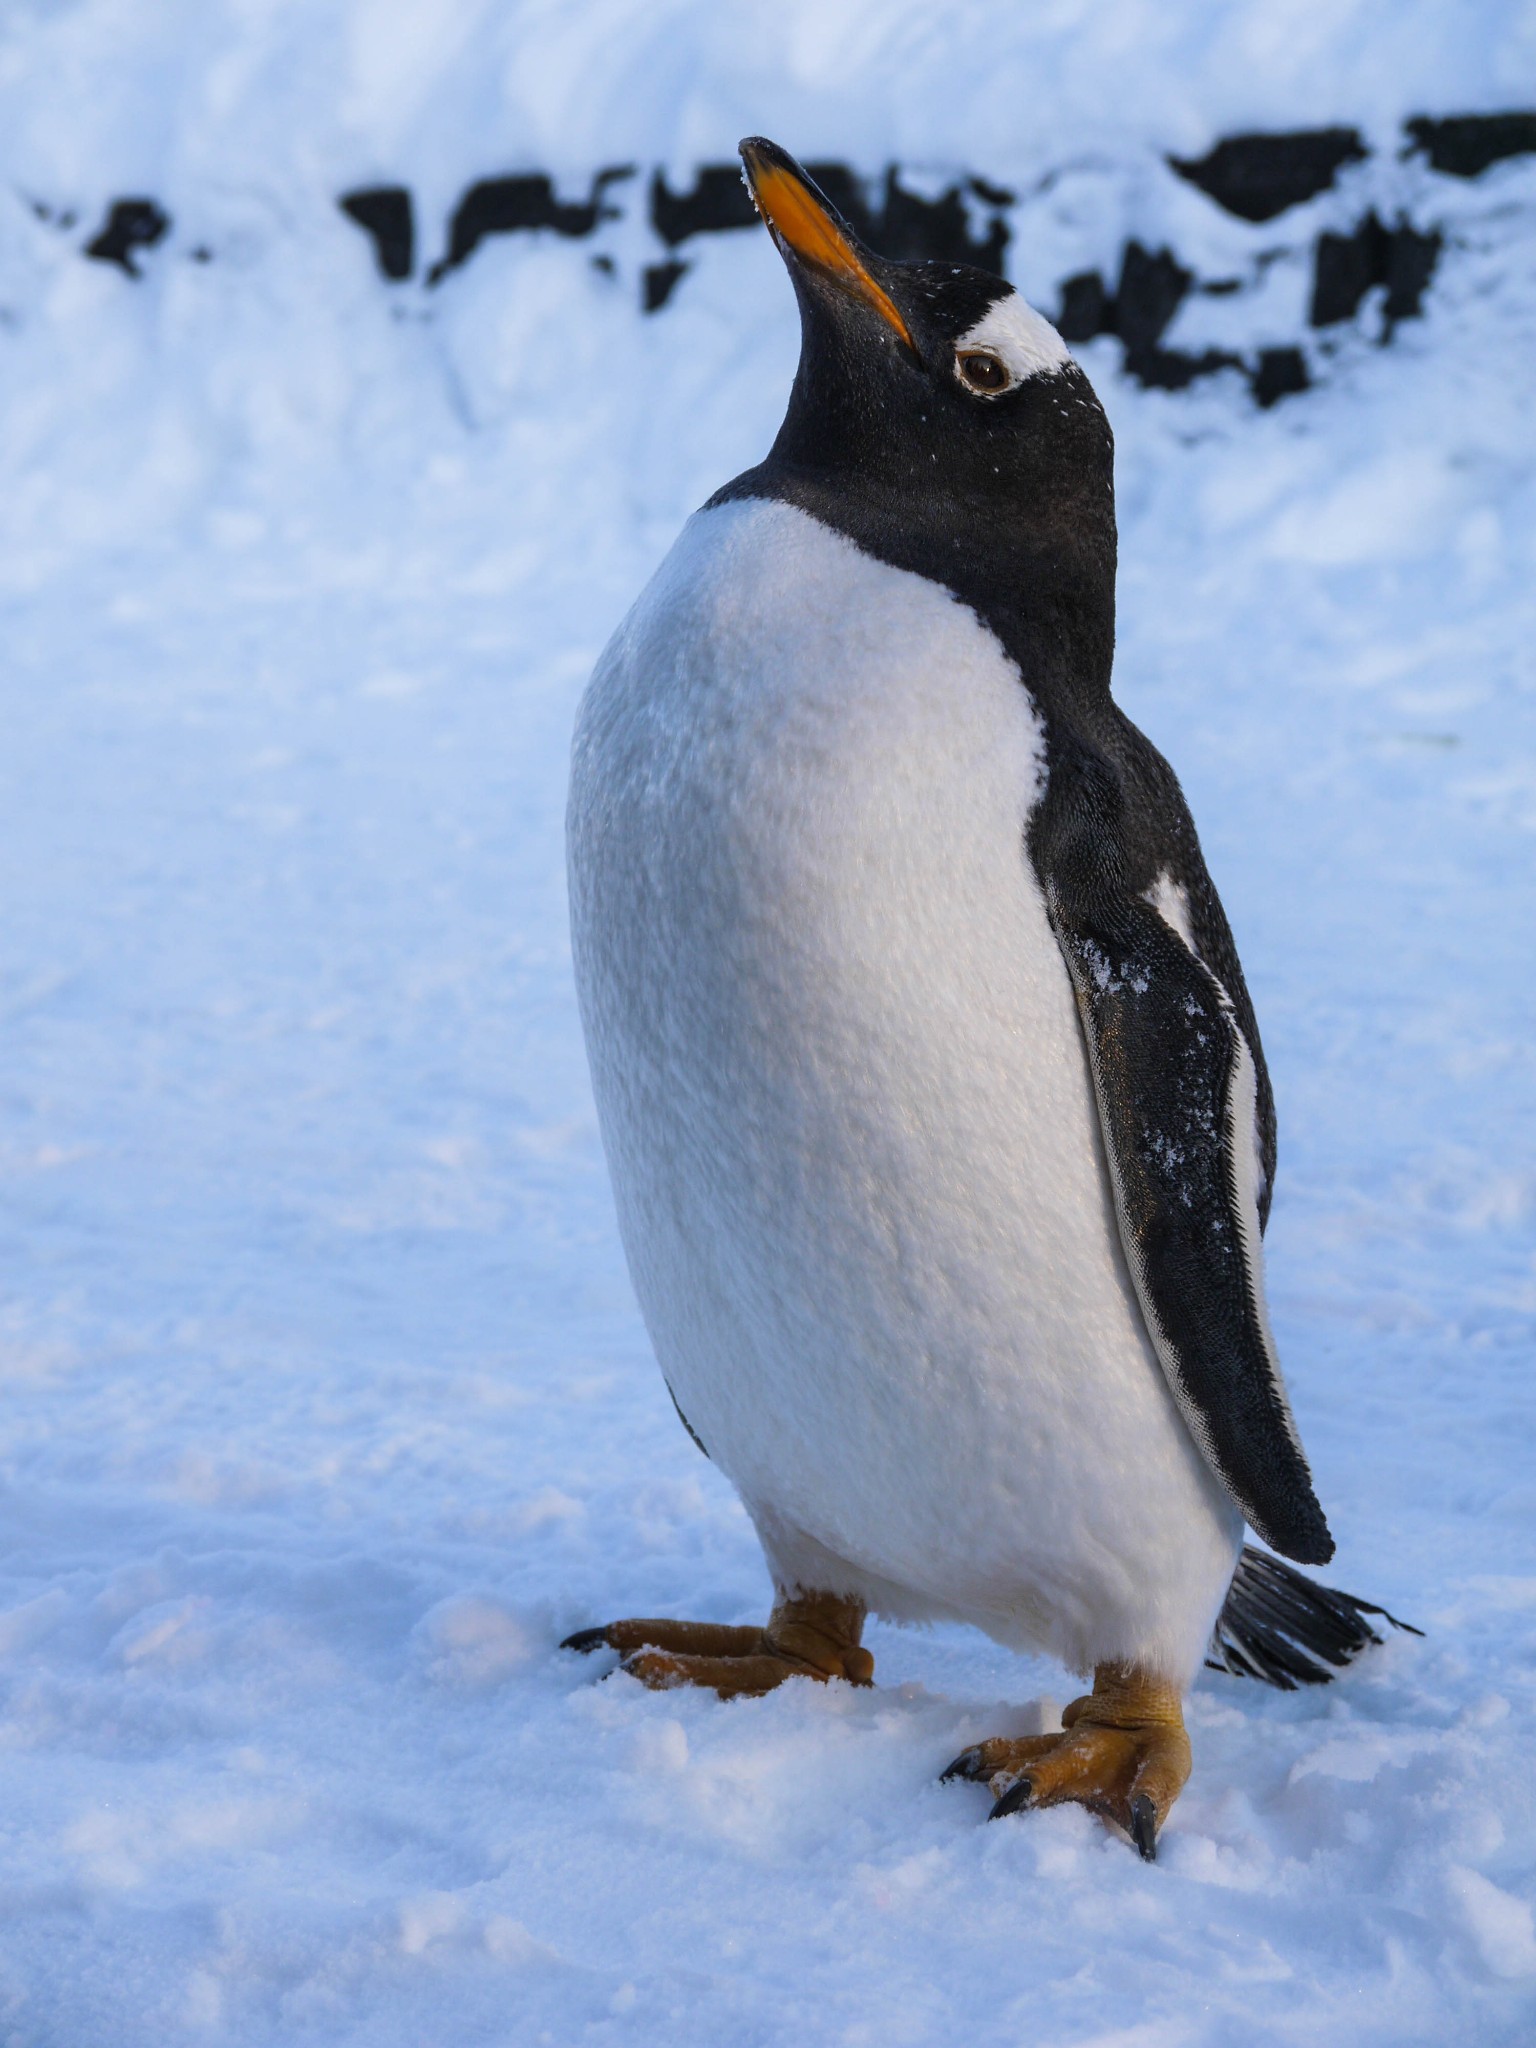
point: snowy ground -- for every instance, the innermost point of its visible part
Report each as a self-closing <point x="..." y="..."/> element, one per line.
<point x="328" y="1409"/>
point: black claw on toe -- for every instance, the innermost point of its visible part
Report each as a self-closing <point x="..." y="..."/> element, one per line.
<point x="966" y="1765"/>
<point x="1144" y="1827"/>
<point x="586" y="1640"/>
<point x="1014" y="1800"/>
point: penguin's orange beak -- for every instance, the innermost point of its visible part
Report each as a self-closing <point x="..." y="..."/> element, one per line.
<point x="803" y="224"/>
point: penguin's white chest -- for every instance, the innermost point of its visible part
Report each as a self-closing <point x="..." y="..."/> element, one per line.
<point x="846" y="1105"/>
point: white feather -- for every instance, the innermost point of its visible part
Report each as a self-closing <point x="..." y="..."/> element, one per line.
<point x="1024" y="340"/>
<point x="1170" y="899"/>
<point x="1248" y="1172"/>
<point x="846" y="1105"/>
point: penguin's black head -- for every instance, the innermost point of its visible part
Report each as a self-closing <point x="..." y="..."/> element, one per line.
<point x="937" y="418"/>
<point x="936" y="362"/>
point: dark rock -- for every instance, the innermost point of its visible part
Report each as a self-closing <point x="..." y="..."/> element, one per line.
<point x="935" y="230"/>
<point x="1175" y="369"/>
<point x="1151" y="290"/>
<point x="1152" y="287"/>
<point x="384" y="213"/>
<point x="1344" y="269"/>
<point x="1278" y="373"/>
<point x="130" y="224"/>
<point x="1348" y="266"/>
<point x="659" y="282"/>
<point x="1411" y="260"/>
<point x="992" y="195"/>
<point x="1259" y="176"/>
<point x="1464" y="145"/>
<point x="719" y="200"/>
<point x="506" y="206"/>
<point x="1086" y="308"/>
<point x="903" y="225"/>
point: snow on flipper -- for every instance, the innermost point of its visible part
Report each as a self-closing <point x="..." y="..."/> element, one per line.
<point x="1284" y="1628"/>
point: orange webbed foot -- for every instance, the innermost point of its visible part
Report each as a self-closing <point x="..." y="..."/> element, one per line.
<point x="1122" y="1752"/>
<point x="812" y="1635"/>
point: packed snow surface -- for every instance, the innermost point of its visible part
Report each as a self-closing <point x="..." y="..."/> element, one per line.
<point x="328" y="1409"/>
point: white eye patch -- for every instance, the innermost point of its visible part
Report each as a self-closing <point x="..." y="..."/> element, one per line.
<point x="1024" y="341"/>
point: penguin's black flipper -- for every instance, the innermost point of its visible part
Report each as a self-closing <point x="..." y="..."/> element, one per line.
<point x="1176" y="1088"/>
<point x="1281" y="1627"/>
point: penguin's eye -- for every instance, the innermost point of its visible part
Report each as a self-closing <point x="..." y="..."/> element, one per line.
<point x="980" y="370"/>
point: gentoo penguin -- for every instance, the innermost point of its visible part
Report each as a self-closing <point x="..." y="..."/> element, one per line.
<point x="930" y="1086"/>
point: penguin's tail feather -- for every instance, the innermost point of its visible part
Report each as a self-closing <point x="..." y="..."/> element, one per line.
<point x="1284" y="1628"/>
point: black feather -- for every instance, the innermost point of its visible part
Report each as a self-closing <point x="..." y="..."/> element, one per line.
<point x="1284" y="1628"/>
